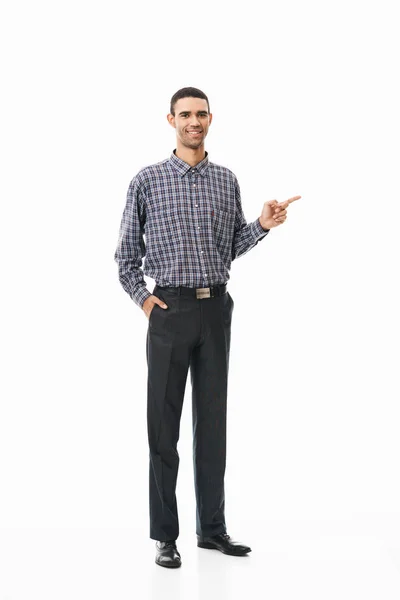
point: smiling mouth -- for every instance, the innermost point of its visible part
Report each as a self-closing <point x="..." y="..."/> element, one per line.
<point x="194" y="133"/>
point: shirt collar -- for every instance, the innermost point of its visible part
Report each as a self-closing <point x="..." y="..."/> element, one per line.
<point x="183" y="167"/>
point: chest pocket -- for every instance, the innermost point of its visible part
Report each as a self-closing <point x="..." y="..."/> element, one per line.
<point x="223" y="222"/>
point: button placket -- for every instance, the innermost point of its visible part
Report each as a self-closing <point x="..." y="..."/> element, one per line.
<point x="196" y="205"/>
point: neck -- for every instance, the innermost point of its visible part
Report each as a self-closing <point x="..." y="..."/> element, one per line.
<point x="192" y="156"/>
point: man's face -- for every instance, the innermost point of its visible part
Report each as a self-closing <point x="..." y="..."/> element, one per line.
<point x="191" y="121"/>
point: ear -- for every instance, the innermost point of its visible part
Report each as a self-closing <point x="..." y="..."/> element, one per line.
<point x="171" y="120"/>
<point x="210" y="118"/>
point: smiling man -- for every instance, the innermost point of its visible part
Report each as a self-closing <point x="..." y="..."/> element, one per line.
<point x="189" y="209"/>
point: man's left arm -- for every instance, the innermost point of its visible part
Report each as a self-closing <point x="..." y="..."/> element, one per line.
<point x="246" y="235"/>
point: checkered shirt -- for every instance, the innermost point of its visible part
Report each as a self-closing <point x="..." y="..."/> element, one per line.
<point x="193" y="224"/>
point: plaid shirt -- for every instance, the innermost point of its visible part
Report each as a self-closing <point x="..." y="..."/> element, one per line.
<point x="193" y="222"/>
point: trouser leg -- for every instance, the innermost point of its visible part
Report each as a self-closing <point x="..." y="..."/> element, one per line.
<point x="168" y="352"/>
<point x="209" y="366"/>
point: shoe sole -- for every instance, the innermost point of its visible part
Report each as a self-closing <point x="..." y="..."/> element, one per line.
<point x="168" y="566"/>
<point x="210" y="546"/>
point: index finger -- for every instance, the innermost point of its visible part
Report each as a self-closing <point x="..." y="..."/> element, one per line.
<point x="287" y="202"/>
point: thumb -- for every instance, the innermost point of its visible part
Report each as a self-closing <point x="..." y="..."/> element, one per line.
<point x="160" y="302"/>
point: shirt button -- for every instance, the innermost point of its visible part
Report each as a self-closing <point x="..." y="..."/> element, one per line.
<point x="202" y="251"/>
<point x="194" y="185"/>
<point x="196" y="205"/>
<point x="205" y="274"/>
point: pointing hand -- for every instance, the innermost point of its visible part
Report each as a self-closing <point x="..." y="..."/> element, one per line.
<point x="274" y="212"/>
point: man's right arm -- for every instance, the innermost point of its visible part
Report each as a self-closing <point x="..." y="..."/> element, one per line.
<point x="131" y="247"/>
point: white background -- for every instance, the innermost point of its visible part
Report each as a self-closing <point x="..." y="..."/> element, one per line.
<point x="305" y="100"/>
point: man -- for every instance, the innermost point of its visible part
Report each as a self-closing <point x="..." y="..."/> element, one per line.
<point x="190" y="211"/>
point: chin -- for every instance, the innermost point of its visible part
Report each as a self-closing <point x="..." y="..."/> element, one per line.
<point x="193" y="146"/>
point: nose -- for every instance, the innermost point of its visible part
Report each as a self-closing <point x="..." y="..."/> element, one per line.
<point x="194" y="122"/>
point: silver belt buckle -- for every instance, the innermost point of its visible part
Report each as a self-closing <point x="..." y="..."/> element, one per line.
<point x="203" y="293"/>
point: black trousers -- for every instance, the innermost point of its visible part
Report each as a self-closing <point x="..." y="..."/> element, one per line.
<point x="191" y="333"/>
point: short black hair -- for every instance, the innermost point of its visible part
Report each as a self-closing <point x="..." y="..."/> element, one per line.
<point x="187" y="92"/>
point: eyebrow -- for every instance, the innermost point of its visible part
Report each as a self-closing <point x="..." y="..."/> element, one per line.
<point x="183" y="112"/>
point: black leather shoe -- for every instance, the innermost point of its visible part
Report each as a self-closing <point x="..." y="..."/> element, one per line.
<point x="167" y="554"/>
<point x="224" y="543"/>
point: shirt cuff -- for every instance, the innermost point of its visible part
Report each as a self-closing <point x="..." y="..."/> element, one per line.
<point x="140" y="295"/>
<point x="258" y="230"/>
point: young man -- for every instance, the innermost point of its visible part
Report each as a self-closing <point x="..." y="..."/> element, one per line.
<point x="190" y="211"/>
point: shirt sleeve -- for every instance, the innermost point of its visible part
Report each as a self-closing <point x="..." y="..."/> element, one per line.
<point x="131" y="247"/>
<point x="246" y="235"/>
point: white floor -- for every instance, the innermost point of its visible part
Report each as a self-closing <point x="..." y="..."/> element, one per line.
<point x="311" y="560"/>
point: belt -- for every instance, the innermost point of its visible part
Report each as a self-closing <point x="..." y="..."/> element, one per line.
<point x="199" y="293"/>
